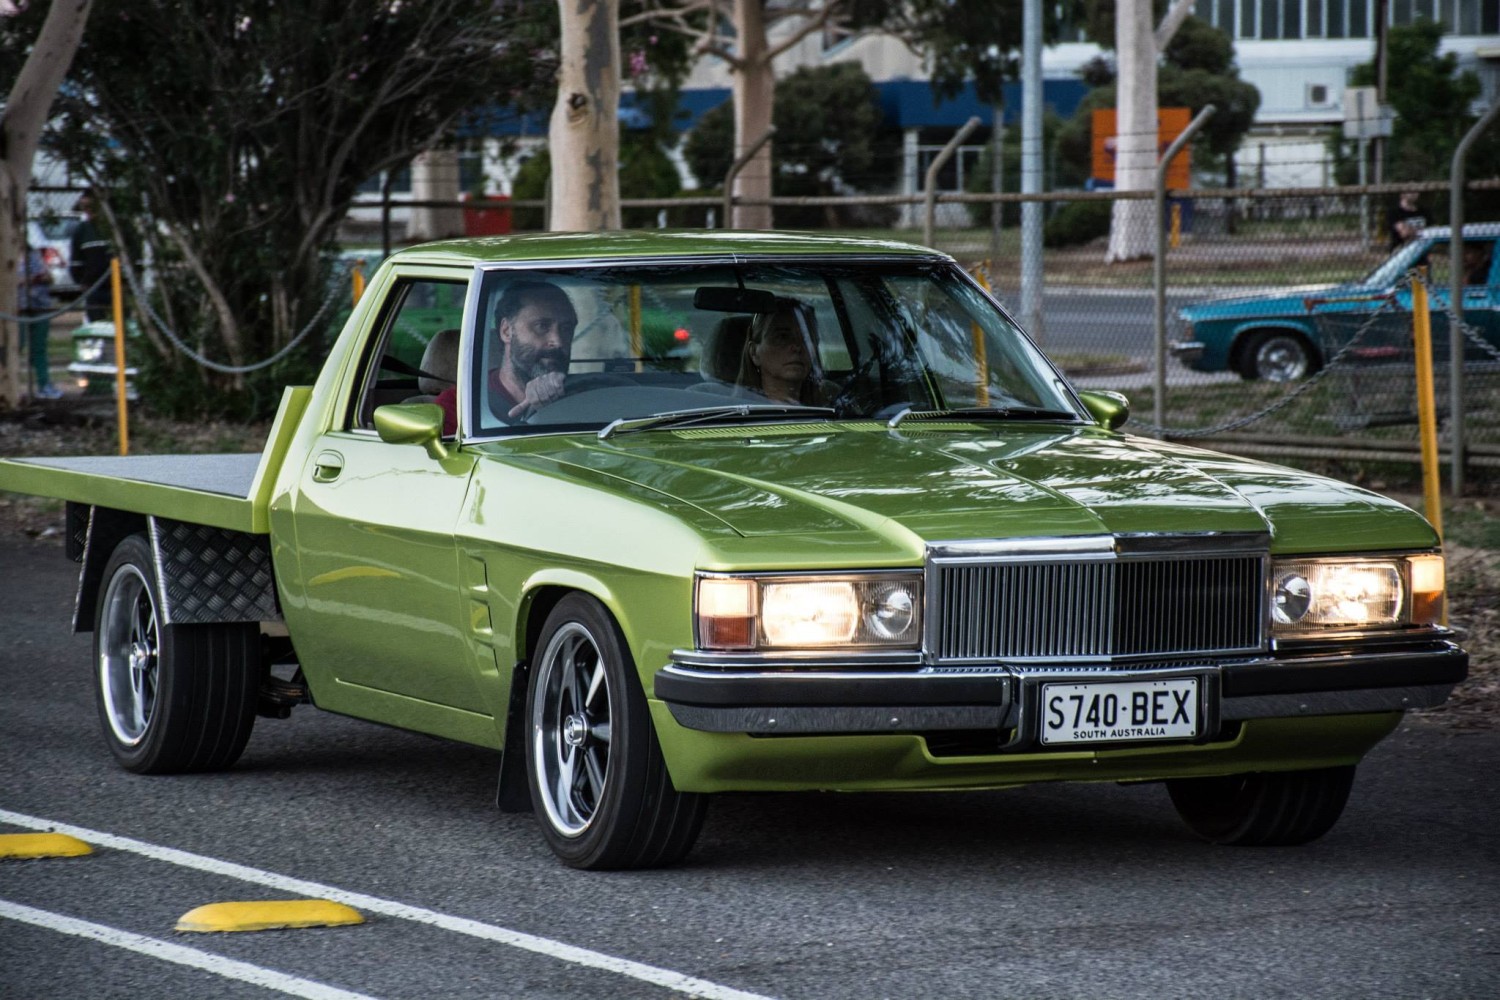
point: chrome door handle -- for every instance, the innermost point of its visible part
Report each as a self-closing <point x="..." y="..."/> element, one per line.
<point x="327" y="466"/>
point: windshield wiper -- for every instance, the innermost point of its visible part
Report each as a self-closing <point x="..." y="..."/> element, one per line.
<point x="707" y="414"/>
<point x="982" y="413"/>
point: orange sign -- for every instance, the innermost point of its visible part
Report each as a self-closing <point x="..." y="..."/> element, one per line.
<point x="1170" y="123"/>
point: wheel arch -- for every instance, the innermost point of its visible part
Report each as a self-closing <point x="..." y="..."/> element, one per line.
<point x="1245" y="333"/>
<point x="514" y="794"/>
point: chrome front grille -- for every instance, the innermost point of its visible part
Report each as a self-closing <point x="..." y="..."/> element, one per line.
<point x="1096" y="598"/>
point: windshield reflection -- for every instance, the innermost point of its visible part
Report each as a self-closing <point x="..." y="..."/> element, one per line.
<point x="581" y="348"/>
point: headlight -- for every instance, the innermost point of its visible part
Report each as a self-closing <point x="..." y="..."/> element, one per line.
<point x="89" y="350"/>
<point x="1311" y="595"/>
<point x="809" y="612"/>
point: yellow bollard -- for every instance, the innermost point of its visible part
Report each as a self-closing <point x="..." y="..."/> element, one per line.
<point x="119" y="303"/>
<point x="1421" y="325"/>
<point x="357" y="279"/>
<point x="637" y="345"/>
<point x="981" y="361"/>
<point x="1176" y="226"/>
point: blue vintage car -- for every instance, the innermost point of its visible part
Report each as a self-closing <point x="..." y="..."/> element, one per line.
<point x="1287" y="336"/>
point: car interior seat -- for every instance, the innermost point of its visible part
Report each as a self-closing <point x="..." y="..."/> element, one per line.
<point x="439" y="366"/>
<point x="719" y="364"/>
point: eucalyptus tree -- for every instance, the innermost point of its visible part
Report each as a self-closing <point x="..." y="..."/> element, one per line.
<point x="748" y="35"/>
<point x="39" y="55"/>
<point x="233" y="161"/>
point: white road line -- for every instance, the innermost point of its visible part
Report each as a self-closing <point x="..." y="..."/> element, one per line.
<point x="664" y="978"/>
<point x="165" y="950"/>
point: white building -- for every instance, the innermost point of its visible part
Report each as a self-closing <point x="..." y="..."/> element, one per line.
<point x="1298" y="53"/>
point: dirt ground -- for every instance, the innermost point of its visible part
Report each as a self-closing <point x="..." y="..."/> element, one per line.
<point x="72" y="428"/>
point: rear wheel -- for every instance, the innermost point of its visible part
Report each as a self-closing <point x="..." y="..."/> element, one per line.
<point x="599" y="785"/>
<point x="1263" y="809"/>
<point x="1277" y="357"/>
<point x="171" y="698"/>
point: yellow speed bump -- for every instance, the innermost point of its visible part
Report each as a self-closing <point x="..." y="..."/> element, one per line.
<point x="42" y="845"/>
<point x="271" y="915"/>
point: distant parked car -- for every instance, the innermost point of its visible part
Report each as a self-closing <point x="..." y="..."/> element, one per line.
<point x="93" y="364"/>
<point x="1289" y="335"/>
<point x="51" y="235"/>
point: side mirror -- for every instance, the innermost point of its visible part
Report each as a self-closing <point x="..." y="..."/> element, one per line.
<point x="412" y="423"/>
<point x="1109" y="409"/>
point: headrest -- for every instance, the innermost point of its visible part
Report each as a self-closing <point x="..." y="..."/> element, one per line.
<point x="721" y="359"/>
<point x="440" y="360"/>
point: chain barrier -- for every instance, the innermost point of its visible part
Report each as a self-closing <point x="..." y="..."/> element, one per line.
<point x="980" y="271"/>
<point x="59" y="310"/>
<point x="161" y="326"/>
<point x="1476" y="338"/>
<point x="1302" y="388"/>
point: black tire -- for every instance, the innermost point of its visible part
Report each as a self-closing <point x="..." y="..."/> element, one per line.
<point x="1267" y="809"/>
<point x="171" y="698"/>
<point x="1277" y="356"/>
<point x="599" y="785"/>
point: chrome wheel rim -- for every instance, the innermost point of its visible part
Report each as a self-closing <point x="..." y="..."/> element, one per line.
<point x="129" y="649"/>
<point x="570" y="729"/>
<point x="1281" y="359"/>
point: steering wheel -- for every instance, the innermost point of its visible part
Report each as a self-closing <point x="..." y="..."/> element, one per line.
<point x="589" y="381"/>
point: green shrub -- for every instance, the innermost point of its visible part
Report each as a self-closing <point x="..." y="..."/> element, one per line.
<point x="1076" y="223"/>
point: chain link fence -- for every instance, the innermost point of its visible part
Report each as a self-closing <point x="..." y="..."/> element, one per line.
<point x="1288" y="311"/>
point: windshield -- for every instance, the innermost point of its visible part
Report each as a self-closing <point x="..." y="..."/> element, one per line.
<point x="1406" y="257"/>
<point x="583" y="347"/>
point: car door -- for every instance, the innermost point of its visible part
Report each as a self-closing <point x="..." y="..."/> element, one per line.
<point x="375" y="536"/>
<point x="1481" y="299"/>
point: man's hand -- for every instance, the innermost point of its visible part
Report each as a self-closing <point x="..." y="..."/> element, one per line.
<point x="540" y="391"/>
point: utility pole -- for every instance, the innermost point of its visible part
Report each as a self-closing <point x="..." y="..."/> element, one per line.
<point x="1382" y="33"/>
<point x="1031" y="169"/>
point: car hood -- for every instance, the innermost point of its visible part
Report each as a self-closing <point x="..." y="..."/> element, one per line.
<point x="1019" y="481"/>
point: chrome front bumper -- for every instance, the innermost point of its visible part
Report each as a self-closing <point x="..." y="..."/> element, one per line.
<point x="792" y="698"/>
<point x="1186" y="351"/>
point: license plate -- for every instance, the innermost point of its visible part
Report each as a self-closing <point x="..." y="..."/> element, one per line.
<point x="1120" y="711"/>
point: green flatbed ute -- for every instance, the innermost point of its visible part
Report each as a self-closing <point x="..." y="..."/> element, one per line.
<point x="663" y="515"/>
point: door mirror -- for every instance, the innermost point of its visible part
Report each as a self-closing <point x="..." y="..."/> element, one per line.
<point x="1109" y="409"/>
<point x="412" y="423"/>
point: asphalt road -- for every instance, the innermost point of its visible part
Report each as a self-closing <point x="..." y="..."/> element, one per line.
<point x="1076" y="891"/>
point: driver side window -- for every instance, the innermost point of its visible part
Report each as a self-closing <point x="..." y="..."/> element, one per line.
<point x="415" y="356"/>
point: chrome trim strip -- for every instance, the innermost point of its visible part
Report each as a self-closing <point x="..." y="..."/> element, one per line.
<point x="1318" y="643"/>
<point x="688" y="668"/>
<point x="719" y="258"/>
<point x="1117" y="546"/>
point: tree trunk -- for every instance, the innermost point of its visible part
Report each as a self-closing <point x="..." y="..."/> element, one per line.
<point x="1130" y="231"/>
<point x="754" y="84"/>
<point x="21" y="122"/>
<point x="584" y="135"/>
<point x="434" y="177"/>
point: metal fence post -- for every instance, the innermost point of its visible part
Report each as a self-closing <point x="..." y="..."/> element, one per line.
<point x="1455" y="294"/>
<point x="929" y="188"/>
<point x="734" y="171"/>
<point x="1159" y="266"/>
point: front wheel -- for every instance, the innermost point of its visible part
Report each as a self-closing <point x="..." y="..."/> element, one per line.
<point x="1267" y="809"/>
<point x="171" y="698"/>
<point x="599" y="785"/>
<point x="1277" y="357"/>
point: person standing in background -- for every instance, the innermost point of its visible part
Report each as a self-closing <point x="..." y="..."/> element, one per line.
<point x="36" y="305"/>
<point x="88" y="260"/>
<point x="1407" y="219"/>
